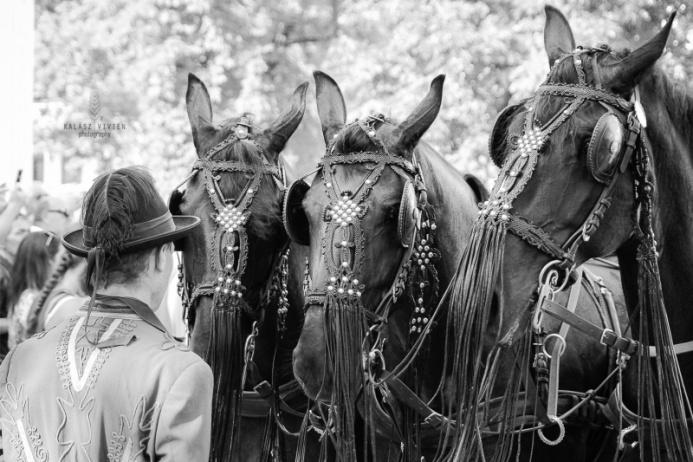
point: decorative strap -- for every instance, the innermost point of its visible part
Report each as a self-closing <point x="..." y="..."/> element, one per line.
<point x="231" y="166"/>
<point x="583" y="91"/>
<point x="604" y="336"/>
<point x="378" y="157"/>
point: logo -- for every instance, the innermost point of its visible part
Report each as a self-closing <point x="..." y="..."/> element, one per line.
<point x="97" y="127"/>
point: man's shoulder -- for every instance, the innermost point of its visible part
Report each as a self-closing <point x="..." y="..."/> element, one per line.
<point x="164" y="347"/>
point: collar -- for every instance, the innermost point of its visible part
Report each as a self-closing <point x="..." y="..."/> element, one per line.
<point x="129" y="305"/>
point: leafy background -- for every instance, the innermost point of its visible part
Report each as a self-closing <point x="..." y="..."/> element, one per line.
<point x="252" y="54"/>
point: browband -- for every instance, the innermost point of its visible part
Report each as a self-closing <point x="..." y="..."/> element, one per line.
<point x="367" y="156"/>
<point x="226" y="166"/>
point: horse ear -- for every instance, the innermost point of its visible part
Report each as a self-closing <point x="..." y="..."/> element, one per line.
<point x="558" y="36"/>
<point x="281" y="129"/>
<point x="331" y="107"/>
<point x="199" y="107"/>
<point x="624" y="73"/>
<point x="412" y="129"/>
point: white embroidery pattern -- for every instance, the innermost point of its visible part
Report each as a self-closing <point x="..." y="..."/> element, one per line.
<point x="24" y="437"/>
<point x="121" y="448"/>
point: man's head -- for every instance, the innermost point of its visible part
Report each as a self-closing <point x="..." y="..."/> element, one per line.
<point x="128" y="233"/>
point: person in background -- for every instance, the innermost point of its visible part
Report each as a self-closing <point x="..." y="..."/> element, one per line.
<point x="13" y="227"/>
<point x="62" y="295"/>
<point x="30" y="270"/>
<point x="110" y="383"/>
<point x="55" y="215"/>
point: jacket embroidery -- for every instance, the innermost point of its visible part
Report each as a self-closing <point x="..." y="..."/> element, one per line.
<point x="79" y="361"/>
<point x="75" y="423"/>
<point x="24" y="437"/>
<point x="130" y="441"/>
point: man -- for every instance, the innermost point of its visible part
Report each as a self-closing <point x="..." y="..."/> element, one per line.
<point x="110" y="384"/>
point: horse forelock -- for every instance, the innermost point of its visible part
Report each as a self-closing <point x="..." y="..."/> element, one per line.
<point x="352" y="138"/>
<point x="265" y="219"/>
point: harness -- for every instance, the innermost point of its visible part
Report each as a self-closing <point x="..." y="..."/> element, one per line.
<point x="343" y="253"/>
<point x="229" y="257"/>
<point x="617" y="142"/>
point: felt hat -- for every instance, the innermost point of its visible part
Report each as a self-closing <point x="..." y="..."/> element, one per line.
<point x="151" y="222"/>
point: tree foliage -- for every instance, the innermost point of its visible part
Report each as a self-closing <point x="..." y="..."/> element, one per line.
<point x="135" y="57"/>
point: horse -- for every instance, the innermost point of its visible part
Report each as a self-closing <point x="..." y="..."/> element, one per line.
<point x="374" y="337"/>
<point x="597" y="162"/>
<point x="381" y="218"/>
<point x="240" y="280"/>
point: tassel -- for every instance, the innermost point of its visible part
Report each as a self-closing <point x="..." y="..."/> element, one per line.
<point x="659" y="377"/>
<point x="473" y="375"/>
<point x="345" y="326"/>
<point x="225" y="356"/>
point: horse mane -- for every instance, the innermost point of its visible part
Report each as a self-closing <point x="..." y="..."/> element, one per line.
<point x="676" y="99"/>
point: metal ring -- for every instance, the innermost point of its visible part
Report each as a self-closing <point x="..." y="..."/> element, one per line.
<point x="547" y="271"/>
<point x="558" y="337"/>
<point x="561" y="431"/>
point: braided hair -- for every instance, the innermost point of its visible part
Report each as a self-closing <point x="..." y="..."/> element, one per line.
<point x="67" y="261"/>
<point x="116" y="201"/>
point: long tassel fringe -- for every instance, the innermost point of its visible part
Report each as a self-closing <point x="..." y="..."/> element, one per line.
<point x="470" y="310"/>
<point x="225" y="356"/>
<point x="345" y="326"/>
<point x="659" y="377"/>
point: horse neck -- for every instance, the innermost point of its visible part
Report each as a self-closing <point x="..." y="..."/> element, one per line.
<point x="670" y="111"/>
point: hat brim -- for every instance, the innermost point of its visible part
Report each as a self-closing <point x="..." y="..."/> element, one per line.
<point x="74" y="240"/>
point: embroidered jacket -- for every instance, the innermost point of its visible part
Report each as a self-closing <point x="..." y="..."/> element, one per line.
<point x="137" y="395"/>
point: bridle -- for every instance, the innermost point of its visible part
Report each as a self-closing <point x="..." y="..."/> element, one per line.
<point x="342" y="246"/>
<point x="558" y="274"/>
<point x="229" y="243"/>
<point x="342" y="229"/>
<point x="518" y="169"/>
<point x="228" y="261"/>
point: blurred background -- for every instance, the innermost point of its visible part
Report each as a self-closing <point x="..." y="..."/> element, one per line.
<point x="124" y="64"/>
<point x="92" y="85"/>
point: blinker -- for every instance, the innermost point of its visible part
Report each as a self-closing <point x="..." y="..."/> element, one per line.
<point x="605" y="147"/>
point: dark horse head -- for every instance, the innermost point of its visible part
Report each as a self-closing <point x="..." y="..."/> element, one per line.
<point x="232" y="262"/>
<point x="360" y="216"/>
<point x="573" y="185"/>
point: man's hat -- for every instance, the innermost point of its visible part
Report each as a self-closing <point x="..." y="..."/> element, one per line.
<point x="125" y="195"/>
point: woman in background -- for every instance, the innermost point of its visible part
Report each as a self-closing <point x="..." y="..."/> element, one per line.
<point x="62" y="295"/>
<point x="30" y="269"/>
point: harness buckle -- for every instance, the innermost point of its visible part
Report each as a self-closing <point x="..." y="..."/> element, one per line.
<point x="608" y="337"/>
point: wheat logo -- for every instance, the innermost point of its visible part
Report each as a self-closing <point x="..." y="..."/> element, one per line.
<point x="97" y="127"/>
<point x="94" y="105"/>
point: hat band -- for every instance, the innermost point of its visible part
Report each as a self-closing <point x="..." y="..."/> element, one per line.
<point x="159" y="225"/>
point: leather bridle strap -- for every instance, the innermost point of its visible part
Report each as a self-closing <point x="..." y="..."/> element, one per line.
<point x="605" y="336"/>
